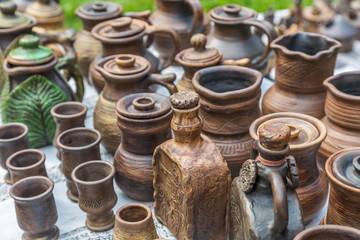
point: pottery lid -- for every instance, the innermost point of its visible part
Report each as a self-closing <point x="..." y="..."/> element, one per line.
<point x="99" y="10"/>
<point x="143" y="105"/>
<point x="316" y="14"/>
<point x="122" y="27"/>
<point x="126" y="64"/>
<point x="338" y="28"/>
<point x="231" y="14"/>
<point x="30" y="52"/>
<point x="184" y="100"/>
<point x="45" y="9"/>
<point x="346" y="168"/>
<point x="9" y="17"/>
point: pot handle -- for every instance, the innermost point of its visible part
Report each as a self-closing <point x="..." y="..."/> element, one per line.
<point x="269" y="31"/>
<point x="151" y="30"/>
<point x="198" y="14"/>
<point x="163" y="80"/>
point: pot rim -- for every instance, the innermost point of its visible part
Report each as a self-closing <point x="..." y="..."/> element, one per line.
<point x="49" y="182"/>
<point x="334" y="90"/>
<point x="83" y="16"/>
<point x="25" y="151"/>
<point x="133" y="225"/>
<point x="332" y="228"/>
<point x="68" y="104"/>
<point x="79" y="129"/>
<point x="15" y="124"/>
<point x="85" y="164"/>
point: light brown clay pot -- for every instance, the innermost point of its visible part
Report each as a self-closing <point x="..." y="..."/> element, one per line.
<point x="329" y="232"/>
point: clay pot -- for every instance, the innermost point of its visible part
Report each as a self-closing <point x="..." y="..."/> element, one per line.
<point x="13" y="138"/>
<point x="329" y="232"/>
<point x="144" y="121"/>
<point x="134" y="222"/>
<point x="94" y="181"/>
<point x="67" y="115"/>
<point x="77" y="145"/>
<point x="35" y="208"/>
<point x="124" y="74"/>
<point x="232" y="35"/>
<point x="316" y="15"/>
<point x="85" y="45"/>
<point x="343" y="171"/>
<point x="353" y="17"/>
<point x="229" y="104"/>
<point x="126" y="35"/>
<point x="307" y="136"/>
<point x="303" y="62"/>
<point x="26" y="163"/>
<point x="342" y="108"/>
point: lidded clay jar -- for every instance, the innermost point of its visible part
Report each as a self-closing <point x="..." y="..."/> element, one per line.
<point x="315" y="15"/>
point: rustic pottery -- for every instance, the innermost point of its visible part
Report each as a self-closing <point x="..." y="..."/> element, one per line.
<point x="354" y="18"/>
<point x="35" y="208"/>
<point x="144" y="120"/>
<point x="77" y="145"/>
<point x="303" y="62"/>
<point x="13" y="138"/>
<point x="67" y="115"/>
<point x="307" y="134"/>
<point x="264" y="203"/>
<point x="232" y="35"/>
<point x="329" y="232"/>
<point x="124" y="74"/>
<point x="229" y="104"/>
<point x="86" y="46"/>
<point x="22" y="4"/>
<point x="134" y="222"/>
<point x="342" y="108"/>
<point x="126" y="35"/>
<point x="94" y="181"/>
<point x="316" y="15"/>
<point x="343" y="171"/>
<point x="191" y="178"/>
<point x="26" y="163"/>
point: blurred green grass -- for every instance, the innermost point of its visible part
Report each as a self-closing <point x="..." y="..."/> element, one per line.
<point x="72" y="21"/>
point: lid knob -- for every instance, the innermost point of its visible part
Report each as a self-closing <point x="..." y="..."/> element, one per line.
<point x="126" y="61"/>
<point x="356" y="164"/>
<point x="121" y="24"/>
<point x="8" y="8"/>
<point x="198" y="42"/>
<point x="98" y="7"/>
<point x="184" y="100"/>
<point x="232" y="9"/>
<point x="274" y="135"/>
<point x="144" y="103"/>
<point x="29" y="41"/>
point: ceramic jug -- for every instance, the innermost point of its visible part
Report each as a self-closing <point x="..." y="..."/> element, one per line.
<point x="264" y="203"/>
<point x="303" y="62"/>
<point x="232" y="35"/>
<point x="124" y="74"/>
<point x="191" y="178"/>
<point x="342" y="108"/>
<point x="126" y="35"/>
<point x="307" y="134"/>
<point x="229" y="103"/>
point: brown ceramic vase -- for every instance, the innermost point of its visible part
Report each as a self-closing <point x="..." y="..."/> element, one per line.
<point x="94" y="181"/>
<point x="229" y="103"/>
<point x="303" y="62"/>
<point x="329" y="232"/>
<point x="35" y="208"/>
<point x="77" y="145"/>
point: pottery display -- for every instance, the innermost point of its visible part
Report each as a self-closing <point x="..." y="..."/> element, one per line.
<point x="67" y="115"/>
<point x="144" y="120"/>
<point x="124" y="74"/>
<point x="26" y="163"/>
<point x="35" y="208"/>
<point x="94" y="181"/>
<point x="134" y="222"/>
<point x="191" y="178"/>
<point x="13" y="138"/>
<point x="232" y="35"/>
<point x="263" y="205"/>
<point x="229" y="103"/>
<point x="303" y="62"/>
<point x="307" y="134"/>
<point x="342" y="108"/>
<point x="77" y="145"/>
<point x="329" y="232"/>
<point x="85" y="45"/>
<point x="126" y="35"/>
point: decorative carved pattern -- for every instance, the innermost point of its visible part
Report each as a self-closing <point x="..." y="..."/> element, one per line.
<point x="248" y="174"/>
<point x="229" y="149"/>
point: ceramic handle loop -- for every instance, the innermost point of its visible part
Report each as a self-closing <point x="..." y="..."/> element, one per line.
<point x="198" y="14"/>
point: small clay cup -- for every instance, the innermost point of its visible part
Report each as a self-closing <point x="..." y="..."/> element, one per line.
<point x="35" y="208"/>
<point x="13" y="138"/>
<point x="67" y="115"/>
<point x="329" y="232"/>
<point x="26" y="163"/>
<point x="94" y="181"/>
<point x="134" y="222"/>
<point x="77" y="145"/>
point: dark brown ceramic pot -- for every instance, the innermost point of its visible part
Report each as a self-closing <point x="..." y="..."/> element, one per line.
<point x="307" y="134"/>
<point x="35" y="208"/>
<point x="329" y="232"/>
<point x="67" y="115"/>
<point x="303" y="62"/>
<point x="342" y="108"/>
<point x="77" y="145"/>
<point x="126" y="35"/>
<point x="134" y="222"/>
<point x="229" y="103"/>
<point x="232" y="35"/>
<point x="124" y="74"/>
<point x="26" y="163"/>
<point x="94" y="181"/>
<point x="144" y="120"/>
<point x="13" y="138"/>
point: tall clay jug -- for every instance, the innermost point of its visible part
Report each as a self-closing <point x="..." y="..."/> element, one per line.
<point x="303" y="62"/>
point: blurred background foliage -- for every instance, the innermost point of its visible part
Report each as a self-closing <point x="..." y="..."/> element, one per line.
<point x="72" y="21"/>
